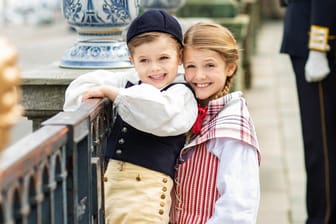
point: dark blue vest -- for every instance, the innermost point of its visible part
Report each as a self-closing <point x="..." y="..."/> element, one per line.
<point x="129" y="144"/>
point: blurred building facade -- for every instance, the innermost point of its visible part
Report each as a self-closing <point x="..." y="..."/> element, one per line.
<point x="29" y="11"/>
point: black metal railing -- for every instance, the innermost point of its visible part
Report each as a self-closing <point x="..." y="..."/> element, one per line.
<point x="55" y="174"/>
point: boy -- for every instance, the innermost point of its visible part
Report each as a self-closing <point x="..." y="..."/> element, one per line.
<point x="152" y="118"/>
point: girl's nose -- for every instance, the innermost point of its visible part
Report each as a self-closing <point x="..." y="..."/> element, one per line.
<point x="199" y="74"/>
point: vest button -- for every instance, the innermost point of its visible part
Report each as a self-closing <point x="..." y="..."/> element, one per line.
<point x="164" y="180"/>
<point x="161" y="211"/>
<point x="124" y="130"/>
<point x="164" y="189"/>
<point x="163" y="196"/>
<point x="118" y="151"/>
<point x="121" y="141"/>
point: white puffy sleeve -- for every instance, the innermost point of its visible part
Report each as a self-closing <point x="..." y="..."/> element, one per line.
<point x="237" y="182"/>
<point x="163" y="113"/>
<point x="74" y="92"/>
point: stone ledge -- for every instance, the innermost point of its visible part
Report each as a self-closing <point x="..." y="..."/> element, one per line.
<point x="43" y="90"/>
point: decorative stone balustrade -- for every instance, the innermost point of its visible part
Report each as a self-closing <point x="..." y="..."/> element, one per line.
<point x="44" y="90"/>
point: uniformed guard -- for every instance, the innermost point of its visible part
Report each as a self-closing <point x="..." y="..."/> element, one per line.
<point x="309" y="39"/>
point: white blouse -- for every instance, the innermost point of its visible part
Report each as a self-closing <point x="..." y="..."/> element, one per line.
<point x="237" y="182"/>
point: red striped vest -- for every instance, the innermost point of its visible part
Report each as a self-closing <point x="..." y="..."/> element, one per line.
<point x="197" y="193"/>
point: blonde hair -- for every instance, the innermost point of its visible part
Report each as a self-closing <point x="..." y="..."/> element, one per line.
<point x="148" y="37"/>
<point x="214" y="37"/>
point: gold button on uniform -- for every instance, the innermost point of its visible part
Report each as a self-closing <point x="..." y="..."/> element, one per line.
<point x="138" y="178"/>
<point x="163" y="196"/>
<point x="161" y="211"/>
<point x="162" y="204"/>
<point x="105" y="179"/>
<point x="164" y="180"/>
<point x="164" y="189"/>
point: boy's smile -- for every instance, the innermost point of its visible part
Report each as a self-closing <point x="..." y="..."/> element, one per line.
<point x="157" y="61"/>
<point x="157" y="77"/>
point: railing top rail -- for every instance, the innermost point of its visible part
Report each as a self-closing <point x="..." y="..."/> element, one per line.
<point x="18" y="159"/>
<point x="90" y="108"/>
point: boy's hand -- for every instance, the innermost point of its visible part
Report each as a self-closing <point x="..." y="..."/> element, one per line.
<point x="95" y="92"/>
<point x="101" y="92"/>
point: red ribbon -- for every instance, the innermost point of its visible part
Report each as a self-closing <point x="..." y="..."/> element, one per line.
<point x="200" y="117"/>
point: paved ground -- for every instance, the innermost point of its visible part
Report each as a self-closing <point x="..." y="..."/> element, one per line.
<point x="273" y="104"/>
<point x="272" y="101"/>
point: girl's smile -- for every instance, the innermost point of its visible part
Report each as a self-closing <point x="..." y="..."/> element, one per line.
<point x="206" y="71"/>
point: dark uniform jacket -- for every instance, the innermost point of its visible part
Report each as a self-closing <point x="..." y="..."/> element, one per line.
<point x="300" y="15"/>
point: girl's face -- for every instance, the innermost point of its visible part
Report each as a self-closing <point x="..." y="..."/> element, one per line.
<point x="206" y="71"/>
<point x="157" y="61"/>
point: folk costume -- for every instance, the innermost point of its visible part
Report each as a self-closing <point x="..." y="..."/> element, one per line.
<point x="310" y="38"/>
<point x="148" y="135"/>
<point x="217" y="180"/>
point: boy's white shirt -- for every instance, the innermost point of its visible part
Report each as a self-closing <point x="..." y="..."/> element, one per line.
<point x="172" y="112"/>
<point x="237" y="182"/>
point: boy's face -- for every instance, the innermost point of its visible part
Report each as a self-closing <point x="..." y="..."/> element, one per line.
<point x="206" y="71"/>
<point x="157" y="62"/>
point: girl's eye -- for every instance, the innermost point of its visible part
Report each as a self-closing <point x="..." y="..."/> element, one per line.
<point x="210" y="65"/>
<point x="190" y="66"/>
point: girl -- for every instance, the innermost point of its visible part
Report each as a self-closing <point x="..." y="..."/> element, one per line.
<point x="217" y="180"/>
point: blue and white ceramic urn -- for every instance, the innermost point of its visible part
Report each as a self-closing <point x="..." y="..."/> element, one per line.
<point x="99" y="24"/>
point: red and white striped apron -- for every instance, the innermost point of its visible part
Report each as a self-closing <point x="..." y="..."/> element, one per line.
<point x="196" y="193"/>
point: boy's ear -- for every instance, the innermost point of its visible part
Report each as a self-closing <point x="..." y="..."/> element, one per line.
<point x="181" y="57"/>
<point x="131" y="59"/>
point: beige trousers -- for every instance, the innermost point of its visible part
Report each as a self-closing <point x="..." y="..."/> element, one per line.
<point x="134" y="194"/>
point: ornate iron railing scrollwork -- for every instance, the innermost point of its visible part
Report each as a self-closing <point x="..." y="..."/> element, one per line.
<point x="55" y="174"/>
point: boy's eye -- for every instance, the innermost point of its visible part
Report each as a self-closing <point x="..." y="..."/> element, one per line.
<point x="143" y="60"/>
<point x="164" y="57"/>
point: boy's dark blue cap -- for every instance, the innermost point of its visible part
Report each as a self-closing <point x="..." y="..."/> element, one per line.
<point x="155" y="21"/>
